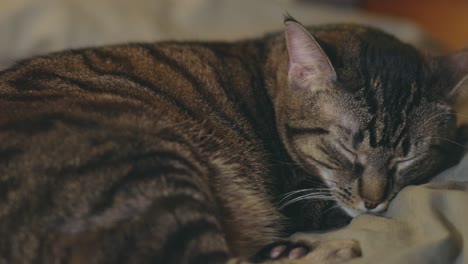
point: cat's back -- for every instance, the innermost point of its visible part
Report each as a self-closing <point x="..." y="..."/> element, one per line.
<point x="202" y="93"/>
<point x="186" y="81"/>
<point x="86" y="131"/>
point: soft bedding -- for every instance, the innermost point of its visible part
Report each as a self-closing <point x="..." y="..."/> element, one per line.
<point x="424" y="224"/>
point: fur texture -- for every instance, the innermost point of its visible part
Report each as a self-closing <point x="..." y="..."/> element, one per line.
<point x="179" y="152"/>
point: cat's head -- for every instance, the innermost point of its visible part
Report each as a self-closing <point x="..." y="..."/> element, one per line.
<point x="366" y="112"/>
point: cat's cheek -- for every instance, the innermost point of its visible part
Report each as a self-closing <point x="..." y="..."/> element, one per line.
<point x="326" y="176"/>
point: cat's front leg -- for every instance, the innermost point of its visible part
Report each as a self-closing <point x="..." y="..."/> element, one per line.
<point x="298" y="252"/>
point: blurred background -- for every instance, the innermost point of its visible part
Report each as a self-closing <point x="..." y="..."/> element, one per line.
<point x="31" y="27"/>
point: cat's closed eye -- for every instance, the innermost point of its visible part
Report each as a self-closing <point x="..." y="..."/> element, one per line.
<point x="402" y="162"/>
<point x="354" y="141"/>
<point x="357" y="140"/>
<point x="405" y="146"/>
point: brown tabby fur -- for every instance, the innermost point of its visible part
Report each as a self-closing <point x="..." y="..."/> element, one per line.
<point x="161" y="153"/>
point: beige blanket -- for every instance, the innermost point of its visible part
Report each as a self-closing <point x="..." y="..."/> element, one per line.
<point x="424" y="224"/>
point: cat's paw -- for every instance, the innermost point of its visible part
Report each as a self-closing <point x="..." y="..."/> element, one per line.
<point x="323" y="252"/>
<point x="281" y="249"/>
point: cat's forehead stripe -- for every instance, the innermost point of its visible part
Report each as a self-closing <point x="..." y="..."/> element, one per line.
<point x="393" y="74"/>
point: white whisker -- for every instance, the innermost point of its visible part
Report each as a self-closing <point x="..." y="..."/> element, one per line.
<point x="311" y="190"/>
<point x="447" y="140"/>
<point x="305" y="190"/>
<point x="308" y="197"/>
<point x="336" y="206"/>
<point x="440" y="114"/>
<point x="432" y="117"/>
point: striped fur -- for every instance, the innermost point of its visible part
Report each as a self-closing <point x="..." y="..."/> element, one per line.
<point x="177" y="152"/>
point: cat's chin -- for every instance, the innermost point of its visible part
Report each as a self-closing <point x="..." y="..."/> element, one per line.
<point x="351" y="212"/>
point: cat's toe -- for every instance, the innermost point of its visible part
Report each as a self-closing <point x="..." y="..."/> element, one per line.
<point x="277" y="251"/>
<point x="298" y="252"/>
<point x="281" y="249"/>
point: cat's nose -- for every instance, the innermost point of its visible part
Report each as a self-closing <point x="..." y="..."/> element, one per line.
<point x="369" y="204"/>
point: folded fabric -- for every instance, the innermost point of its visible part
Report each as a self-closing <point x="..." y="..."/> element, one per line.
<point x="424" y="224"/>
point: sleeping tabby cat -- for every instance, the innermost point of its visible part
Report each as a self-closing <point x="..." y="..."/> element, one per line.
<point x="179" y="152"/>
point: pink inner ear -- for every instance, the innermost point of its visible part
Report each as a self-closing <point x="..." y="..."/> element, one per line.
<point x="301" y="76"/>
<point x="306" y="57"/>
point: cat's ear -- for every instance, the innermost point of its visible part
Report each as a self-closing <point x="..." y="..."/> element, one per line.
<point x="455" y="66"/>
<point x="309" y="66"/>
